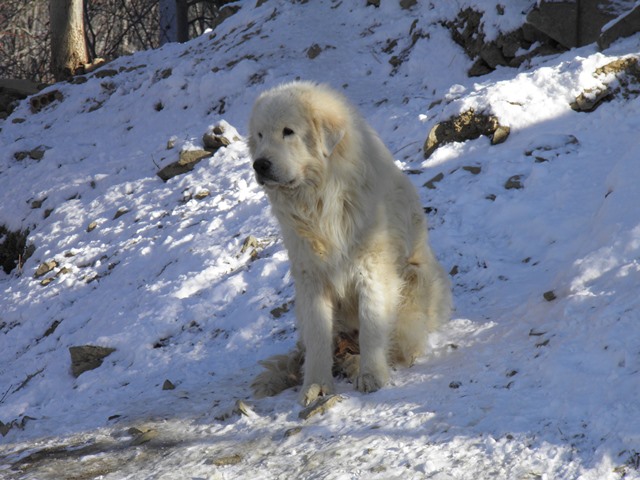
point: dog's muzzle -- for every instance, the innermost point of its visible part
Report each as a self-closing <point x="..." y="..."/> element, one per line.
<point x="262" y="166"/>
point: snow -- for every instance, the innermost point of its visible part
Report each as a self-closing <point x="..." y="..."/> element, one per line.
<point x="514" y="387"/>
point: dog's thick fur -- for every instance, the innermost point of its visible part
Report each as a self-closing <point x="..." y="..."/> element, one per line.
<point x="356" y="236"/>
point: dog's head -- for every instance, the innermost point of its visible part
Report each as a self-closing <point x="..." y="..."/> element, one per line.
<point x="293" y="132"/>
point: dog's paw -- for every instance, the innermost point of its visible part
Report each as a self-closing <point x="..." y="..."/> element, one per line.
<point x="310" y="393"/>
<point x="367" y="383"/>
<point x="349" y="366"/>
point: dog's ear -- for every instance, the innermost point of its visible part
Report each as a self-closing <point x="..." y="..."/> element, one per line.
<point x="332" y="137"/>
<point x="331" y="128"/>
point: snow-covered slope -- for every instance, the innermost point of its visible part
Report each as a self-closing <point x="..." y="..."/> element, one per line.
<point x="188" y="280"/>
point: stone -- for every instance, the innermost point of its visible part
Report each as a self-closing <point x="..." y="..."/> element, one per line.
<point x="45" y="268"/>
<point x="202" y="194"/>
<point x="431" y="184"/>
<point x="500" y="135"/>
<point x="214" y="141"/>
<point x="320" y="406"/>
<point x="141" y="437"/>
<point x="313" y="51"/>
<point x="188" y="159"/>
<point x="87" y="357"/>
<point x="38" y="102"/>
<point x="105" y="72"/>
<point x="120" y="212"/>
<point x="37" y="153"/>
<point x="514" y="183"/>
<point x="575" y="24"/>
<point x="468" y="125"/>
<point x="549" y="296"/>
<point x="168" y="385"/>
<point x="407" y="4"/>
<point x="625" y="70"/>
<point x="227" y="460"/>
<point x="472" y="169"/>
<point x="624" y="26"/>
<point x="292" y="432"/>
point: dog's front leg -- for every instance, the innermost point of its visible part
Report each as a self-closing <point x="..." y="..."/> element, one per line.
<point x="315" y="320"/>
<point x="378" y="299"/>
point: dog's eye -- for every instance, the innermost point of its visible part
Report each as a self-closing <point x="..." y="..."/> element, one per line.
<point x="286" y="132"/>
<point x="260" y="135"/>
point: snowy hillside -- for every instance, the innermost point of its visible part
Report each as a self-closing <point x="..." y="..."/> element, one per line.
<point x="186" y="282"/>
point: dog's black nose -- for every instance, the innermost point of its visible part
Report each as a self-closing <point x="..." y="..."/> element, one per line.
<point x="262" y="166"/>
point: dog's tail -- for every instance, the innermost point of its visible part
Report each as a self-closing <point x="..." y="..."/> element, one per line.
<point x="281" y="372"/>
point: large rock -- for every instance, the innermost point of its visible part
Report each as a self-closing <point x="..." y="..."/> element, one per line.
<point x="468" y="125"/>
<point x="620" y="78"/>
<point x="576" y="23"/>
<point x="87" y="357"/>
<point x="188" y="159"/>
<point x="624" y="26"/>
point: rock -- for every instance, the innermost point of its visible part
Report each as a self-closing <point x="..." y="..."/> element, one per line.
<point x="292" y="431"/>
<point x="250" y="242"/>
<point x="105" y="72"/>
<point x="589" y="100"/>
<point x="313" y="51"/>
<point x="242" y="409"/>
<point x="467" y="30"/>
<point x="514" y="183"/>
<point x="120" y="212"/>
<point x="92" y="226"/>
<point x="624" y="26"/>
<point x="619" y="78"/>
<point x="281" y="310"/>
<point x="571" y="23"/>
<point x="142" y="436"/>
<point x="214" y="140"/>
<point x="549" y="296"/>
<point x="38" y="102"/>
<point x="500" y="135"/>
<point x="5" y="428"/>
<point x="320" y="406"/>
<point x="227" y="460"/>
<point x="472" y="169"/>
<point x="87" y="357"/>
<point x="432" y="183"/>
<point x="35" y="204"/>
<point x="167" y="385"/>
<point x="45" y="268"/>
<point x="37" y="153"/>
<point x="407" y="4"/>
<point x="12" y="91"/>
<point x="188" y="159"/>
<point x="202" y="194"/>
<point x="466" y="126"/>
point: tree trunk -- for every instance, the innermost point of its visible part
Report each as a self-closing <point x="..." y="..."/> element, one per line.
<point x="168" y="21"/>
<point x="182" y="19"/>
<point x="68" y="44"/>
<point x="174" y="21"/>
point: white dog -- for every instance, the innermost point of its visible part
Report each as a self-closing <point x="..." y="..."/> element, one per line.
<point x="356" y="236"/>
